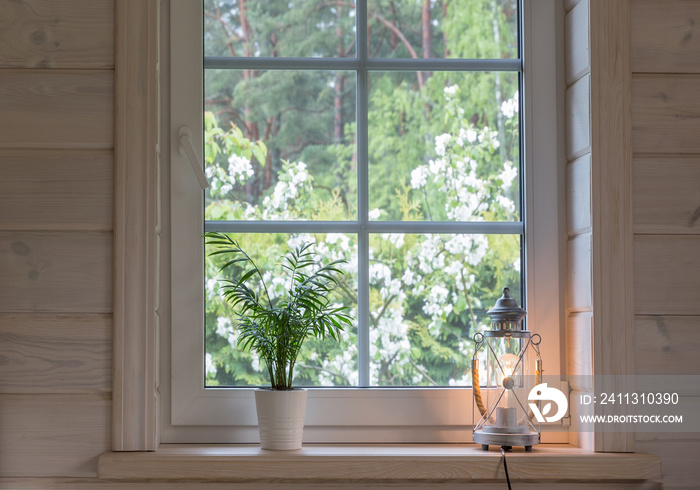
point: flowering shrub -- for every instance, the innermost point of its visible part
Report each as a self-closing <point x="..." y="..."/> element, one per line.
<point x="428" y="293"/>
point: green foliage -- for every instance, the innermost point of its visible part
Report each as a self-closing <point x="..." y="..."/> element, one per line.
<point x="276" y="330"/>
<point x="441" y="148"/>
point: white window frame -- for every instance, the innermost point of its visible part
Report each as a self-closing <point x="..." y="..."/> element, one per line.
<point x="193" y="414"/>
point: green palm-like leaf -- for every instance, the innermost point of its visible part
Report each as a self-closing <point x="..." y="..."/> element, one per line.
<point x="277" y="333"/>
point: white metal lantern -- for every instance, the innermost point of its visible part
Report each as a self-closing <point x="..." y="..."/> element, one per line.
<point x="501" y="398"/>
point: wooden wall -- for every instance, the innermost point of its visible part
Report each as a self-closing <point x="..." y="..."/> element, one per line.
<point x="56" y="181"/>
<point x="598" y="190"/>
<point x="665" y="109"/>
<point x="56" y="228"/>
<point x="666" y="186"/>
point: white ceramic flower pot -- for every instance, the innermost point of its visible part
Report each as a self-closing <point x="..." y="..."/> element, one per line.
<point x="280" y="418"/>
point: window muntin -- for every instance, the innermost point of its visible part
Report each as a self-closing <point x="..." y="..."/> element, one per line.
<point x="419" y="149"/>
<point x="194" y="414"/>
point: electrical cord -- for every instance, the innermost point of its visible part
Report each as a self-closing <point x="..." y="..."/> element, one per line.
<point x="505" y="467"/>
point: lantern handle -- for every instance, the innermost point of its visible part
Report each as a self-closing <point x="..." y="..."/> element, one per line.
<point x="479" y="339"/>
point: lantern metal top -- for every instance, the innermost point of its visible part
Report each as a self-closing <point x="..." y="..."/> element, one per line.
<point x="506" y="314"/>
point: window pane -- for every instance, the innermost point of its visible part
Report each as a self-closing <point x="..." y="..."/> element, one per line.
<point x="444" y="146"/>
<point x="274" y="28"/>
<point x="320" y="363"/>
<point x="476" y="29"/>
<point x="280" y="145"/>
<point x="428" y="296"/>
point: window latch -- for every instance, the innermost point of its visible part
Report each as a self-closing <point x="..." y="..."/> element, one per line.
<point x="187" y="150"/>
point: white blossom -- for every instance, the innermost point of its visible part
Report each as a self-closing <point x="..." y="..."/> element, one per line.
<point x="296" y="241"/>
<point x="419" y="177"/>
<point x="396" y="239"/>
<point x="451" y="90"/>
<point x="510" y="107"/>
<point x="408" y="277"/>
<point x="509" y="173"/>
<point x="239" y="168"/>
<point x="506" y="203"/>
<point x="441" y="143"/>
<point x="223" y="326"/>
<point x="210" y="366"/>
<point x="467" y="134"/>
<point x="516" y="265"/>
<point x="437" y="167"/>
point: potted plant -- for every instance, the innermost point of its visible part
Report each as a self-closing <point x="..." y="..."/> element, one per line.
<point x="276" y="329"/>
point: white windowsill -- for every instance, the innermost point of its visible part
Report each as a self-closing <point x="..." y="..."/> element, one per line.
<point x="547" y="462"/>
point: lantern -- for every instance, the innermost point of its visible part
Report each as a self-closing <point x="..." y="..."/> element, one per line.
<point x="501" y="397"/>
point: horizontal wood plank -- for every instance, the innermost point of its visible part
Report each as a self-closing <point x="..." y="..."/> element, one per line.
<point x="56" y="190"/>
<point x="667" y="344"/>
<point x="98" y="484"/>
<point x="56" y="272"/>
<point x="578" y="110"/>
<point x="665" y="36"/>
<point x="53" y="435"/>
<point x="679" y="460"/>
<point x="377" y="462"/>
<point x="666" y="275"/>
<point x="55" y="353"/>
<point x="666" y="195"/>
<point x="665" y="114"/>
<point x="56" y="109"/>
<point x="577" y="58"/>
<point x="51" y="34"/>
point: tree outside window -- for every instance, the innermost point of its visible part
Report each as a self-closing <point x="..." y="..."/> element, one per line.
<point x="283" y="143"/>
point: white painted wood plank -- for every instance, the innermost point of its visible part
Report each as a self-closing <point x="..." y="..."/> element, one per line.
<point x="579" y="351"/>
<point x="52" y="435"/>
<point x="136" y="226"/>
<point x="667" y="275"/>
<point x="578" y="196"/>
<point x="56" y="109"/>
<point x="679" y="460"/>
<point x="377" y="462"/>
<point x="611" y="201"/>
<point x="51" y="34"/>
<point x="56" y="272"/>
<point x="665" y="36"/>
<point x="578" y="133"/>
<point x="665" y="114"/>
<point x="55" y="353"/>
<point x="56" y="190"/>
<point x="666" y="195"/>
<point x="577" y="54"/>
<point x="578" y="272"/>
<point x="97" y="484"/>
<point x="667" y="344"/>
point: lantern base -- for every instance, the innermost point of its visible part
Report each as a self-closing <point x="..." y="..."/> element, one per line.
<point x="504" y="439"/>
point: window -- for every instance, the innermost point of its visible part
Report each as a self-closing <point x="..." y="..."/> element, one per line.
<point x="383" y="187"/>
